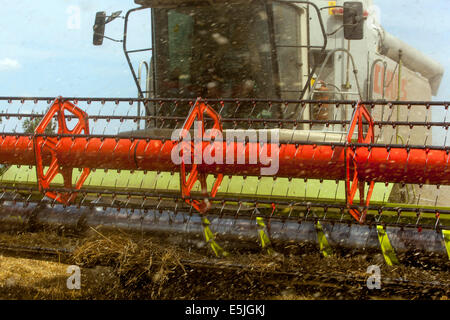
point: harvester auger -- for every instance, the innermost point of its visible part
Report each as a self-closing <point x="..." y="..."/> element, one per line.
<point x="219" y="189"/>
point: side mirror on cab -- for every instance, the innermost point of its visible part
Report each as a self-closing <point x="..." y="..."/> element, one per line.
<point x="353" y="20"/>
<point x="99" y="28"/>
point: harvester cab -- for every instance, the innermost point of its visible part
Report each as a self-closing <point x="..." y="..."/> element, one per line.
<point x="245" y="49"/>
<point x="273" y="50"/>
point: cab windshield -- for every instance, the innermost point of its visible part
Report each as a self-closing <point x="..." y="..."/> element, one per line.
<point x="247" y="50"/>
<point x="214" y="51"/>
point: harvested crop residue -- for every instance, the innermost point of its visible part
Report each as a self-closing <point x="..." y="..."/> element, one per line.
<point x="129" y="266"/>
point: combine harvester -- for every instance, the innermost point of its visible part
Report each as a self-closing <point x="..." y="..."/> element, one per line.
<point x="259" y="123"/>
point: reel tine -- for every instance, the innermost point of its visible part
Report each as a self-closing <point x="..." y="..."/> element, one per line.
<point x="121" y="119"/>
<point x="242" y="184"/>
<point x="438" y="188"/>
<point x="385" y="198"/>
<point x="290" y="181"/>
<point x="336" y="192"/>
<point x="306" y="188"/>
<point x="257" y="185"/>
<point x="320" y="189"/>
<point x="274" y="182"/>
<point x="420" y="195"/>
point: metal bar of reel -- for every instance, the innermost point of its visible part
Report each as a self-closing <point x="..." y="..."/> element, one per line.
<point x="250" y="121"/>
<point x="132" y="100"/>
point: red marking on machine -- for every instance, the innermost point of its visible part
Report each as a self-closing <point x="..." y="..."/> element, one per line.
<point x="389" y="84"/>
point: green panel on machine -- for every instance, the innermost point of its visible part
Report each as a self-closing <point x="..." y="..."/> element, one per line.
<point x="281" y="187"/>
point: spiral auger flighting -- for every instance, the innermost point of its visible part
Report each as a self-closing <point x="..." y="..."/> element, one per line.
<point x="197" y="169"/>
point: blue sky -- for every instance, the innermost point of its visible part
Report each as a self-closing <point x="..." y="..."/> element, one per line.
<point x="46" y="46"/>
<point x="44" y="53"/>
